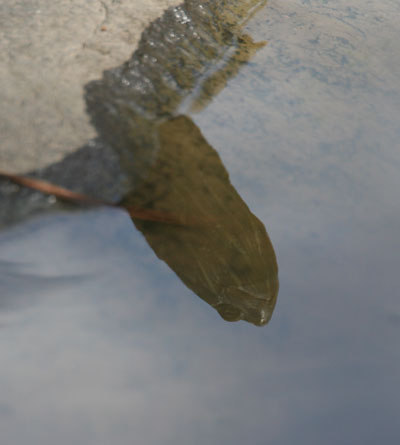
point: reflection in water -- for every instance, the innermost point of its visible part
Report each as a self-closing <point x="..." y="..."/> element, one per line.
<point x="21" y="288"/>
<point x="217" y="81"/>
<point x="124" y="355"/>
<point x="227" y="258"/>
<point x="183" y="59"/>
<point x="221" y="251"/>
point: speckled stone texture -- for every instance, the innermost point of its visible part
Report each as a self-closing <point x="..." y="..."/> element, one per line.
<point x="48" y="50"/>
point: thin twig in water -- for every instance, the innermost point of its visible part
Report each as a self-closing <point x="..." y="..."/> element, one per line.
<point x="79" y="198"/>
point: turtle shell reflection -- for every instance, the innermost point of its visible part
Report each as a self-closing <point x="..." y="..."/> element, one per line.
<point x="220" y="250"/>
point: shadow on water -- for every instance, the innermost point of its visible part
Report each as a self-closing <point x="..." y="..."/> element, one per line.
<point x="221" y="251"/>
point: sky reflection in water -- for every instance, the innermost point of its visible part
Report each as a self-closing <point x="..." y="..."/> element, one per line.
<point x="114" y="348"/>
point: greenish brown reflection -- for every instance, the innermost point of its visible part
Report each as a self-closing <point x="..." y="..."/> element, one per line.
<point x="217" y="81"/>
<point x="221" y="251"/>
<point x="183" y="59"/>
<point x="210" y="239"/>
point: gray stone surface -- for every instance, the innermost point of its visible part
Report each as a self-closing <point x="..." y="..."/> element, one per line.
<point x="48" y="50"/>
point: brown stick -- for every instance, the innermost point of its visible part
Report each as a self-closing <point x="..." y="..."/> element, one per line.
<point x="79" y="198"/>
<point x="51" y="189"/>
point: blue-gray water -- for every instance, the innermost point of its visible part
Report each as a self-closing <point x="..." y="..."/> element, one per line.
<point x="102" y="343"/>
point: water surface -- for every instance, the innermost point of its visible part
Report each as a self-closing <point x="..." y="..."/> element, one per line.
<point x="102" y="342"/>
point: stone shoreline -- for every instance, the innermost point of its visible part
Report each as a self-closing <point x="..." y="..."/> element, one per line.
<point x="48" y="51"/>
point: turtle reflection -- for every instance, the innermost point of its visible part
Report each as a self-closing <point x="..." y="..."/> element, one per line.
<point x="212" y="241"/>
<point x="221" y="251"/>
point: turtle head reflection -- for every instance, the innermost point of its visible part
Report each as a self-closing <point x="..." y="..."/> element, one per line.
<point x="253" y="303"/>
<point x="217" y="247"/>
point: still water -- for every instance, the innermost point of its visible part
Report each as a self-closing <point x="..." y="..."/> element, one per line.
<point x="104" y="336"/>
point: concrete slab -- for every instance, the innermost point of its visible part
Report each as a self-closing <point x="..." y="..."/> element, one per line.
<point x="48" y="50"/>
